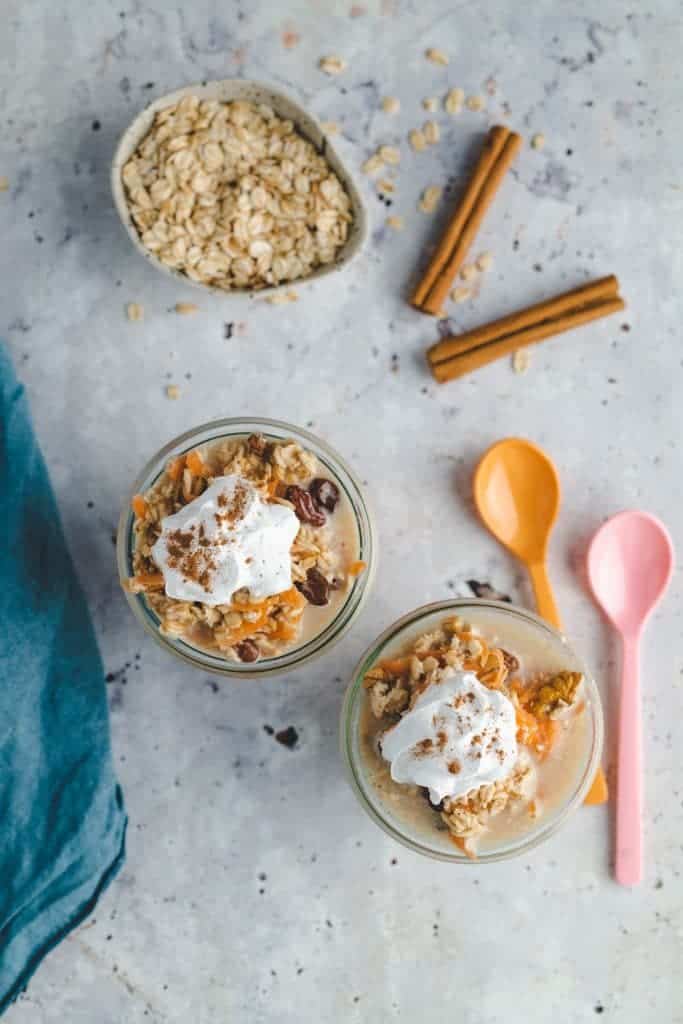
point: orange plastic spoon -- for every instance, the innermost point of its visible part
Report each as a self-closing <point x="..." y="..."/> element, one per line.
<point x="517" y="494"/>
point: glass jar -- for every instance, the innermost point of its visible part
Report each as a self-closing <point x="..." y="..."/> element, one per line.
<point x="348" y="483"/>
<point x="506" y="620"/>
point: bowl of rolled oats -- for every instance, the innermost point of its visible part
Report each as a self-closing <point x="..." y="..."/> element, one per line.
<point x="231" y="186"/>
<point x="471" y="731"/>
<point x="246" y="547"/>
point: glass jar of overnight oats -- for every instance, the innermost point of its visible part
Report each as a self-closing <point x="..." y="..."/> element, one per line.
<point x="246" y="547"/>
<point x="470" y="731"/>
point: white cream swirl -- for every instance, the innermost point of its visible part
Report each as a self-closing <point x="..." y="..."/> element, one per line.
<point x="226" y="539"/>
<point x="459" y="735"/>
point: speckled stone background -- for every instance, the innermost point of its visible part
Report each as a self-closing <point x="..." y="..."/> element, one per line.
<point x="256" y="889"/>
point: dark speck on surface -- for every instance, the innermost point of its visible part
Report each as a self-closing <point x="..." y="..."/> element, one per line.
<point x="299" y="970"/>
<point x="626" y="327"/>
<point x="96" y="125"/>
<point x="486" y="591"/>
<point x="149" y="85"/>
<point x="515" y="245"/>
<point x="659" y="884"/>
<point x="269" y="729"/>
<point x="39" y="238"/>
<point x="599" y="1008"/>
<point x="538" y="268"/>
<point x="90" y="504"/>
<point x="288" y="737"/>
<point x="228" y="330"/>
<point x="262" y="876"/>
<point x="393" y="861"/>
<point x="212" y="684"/>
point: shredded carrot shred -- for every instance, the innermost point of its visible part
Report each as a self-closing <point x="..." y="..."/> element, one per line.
<point x="195" y="464"/>
<point x="147" y="581"/>
<point x="175" y="468"/>
<point x="140" y="506"/>
<point x="538" y="733"/>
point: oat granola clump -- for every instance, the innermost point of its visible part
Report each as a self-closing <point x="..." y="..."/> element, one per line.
<point x="233" y="196"/>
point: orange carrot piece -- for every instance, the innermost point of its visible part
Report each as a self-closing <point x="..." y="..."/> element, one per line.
<point x="195" y="464"/>
<point x="395" y="665"/>
<point x="175" y="468"/>
<point x="356" y="568"/>
<point x="146" y="581"/>
<point x="140" y="506"/>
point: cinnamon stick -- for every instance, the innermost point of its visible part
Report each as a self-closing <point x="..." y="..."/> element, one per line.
<point x="455" y="356"/>
<point x="585" y="294"/>
<point x="499" y="151"/>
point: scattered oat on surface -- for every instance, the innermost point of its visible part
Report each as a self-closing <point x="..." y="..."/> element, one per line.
<point x="475" y="102"/>
<point x="461" y="293"/>
<point x="430" y="103"/>
<point x="454" y="101"/>
<point x="290" y="39"/>
<point x="436" y="56"/>
<point x="233" y="197"/>
<point x="386" y="185"/>
<point x="484" y="261"/>
<point x="172" y="391"/>
<point x="135" y="312"/>
<point x="373" y="164"/>
<point x="417" y="140"/>
<point x="391" y="105"/>
<point x="395" y="222"/>
<point x="332" y="65"/>
<point x="430" y="198"/>
<point x="431" y="132"/>
<point x="186" y="307"/>
<point x="520" y="360"/>
<point x="389" y="155"/>
<point x="282" y="298"/>
<point x="468" y="272"/>
<point x="4" y="183"/>
<point x="537" y="141"/>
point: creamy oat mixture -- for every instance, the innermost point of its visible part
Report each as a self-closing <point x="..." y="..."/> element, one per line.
<point x="473" y="731"/>
<point x="233" y="196"/>
<point x="246" y="547"/>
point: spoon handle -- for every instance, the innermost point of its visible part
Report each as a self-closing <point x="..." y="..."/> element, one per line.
<point x="629" y="868"/>
<point x="545" y="602"/>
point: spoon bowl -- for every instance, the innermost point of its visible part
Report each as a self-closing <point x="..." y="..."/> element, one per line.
<point x="517" y="493"/>
<point x="629" y="566"/>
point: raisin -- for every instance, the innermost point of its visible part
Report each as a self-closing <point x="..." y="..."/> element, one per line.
<point x="304" y="506"/>
<point x="315" y="589"/>
<point x="247" y="651"/>
<point x="325" y="493"/>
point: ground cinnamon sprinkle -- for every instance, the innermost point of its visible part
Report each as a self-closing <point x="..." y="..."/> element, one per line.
<point x="194" y="563"/>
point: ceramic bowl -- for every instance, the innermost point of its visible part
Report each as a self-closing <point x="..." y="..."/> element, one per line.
<point x="229" y="89"/>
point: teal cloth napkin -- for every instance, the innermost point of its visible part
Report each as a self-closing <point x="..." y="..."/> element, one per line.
<point x="62" y="819"/>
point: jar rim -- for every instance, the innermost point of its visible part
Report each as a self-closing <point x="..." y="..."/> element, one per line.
<point x="361" y="786"/>
<point x="215" y="430"/>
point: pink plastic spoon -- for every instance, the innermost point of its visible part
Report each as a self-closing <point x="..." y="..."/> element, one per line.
<point x="630" y="562"/>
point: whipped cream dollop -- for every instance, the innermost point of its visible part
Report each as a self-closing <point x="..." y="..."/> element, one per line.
<point x="226" y="539"/>
<point x="458" y="736"/>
